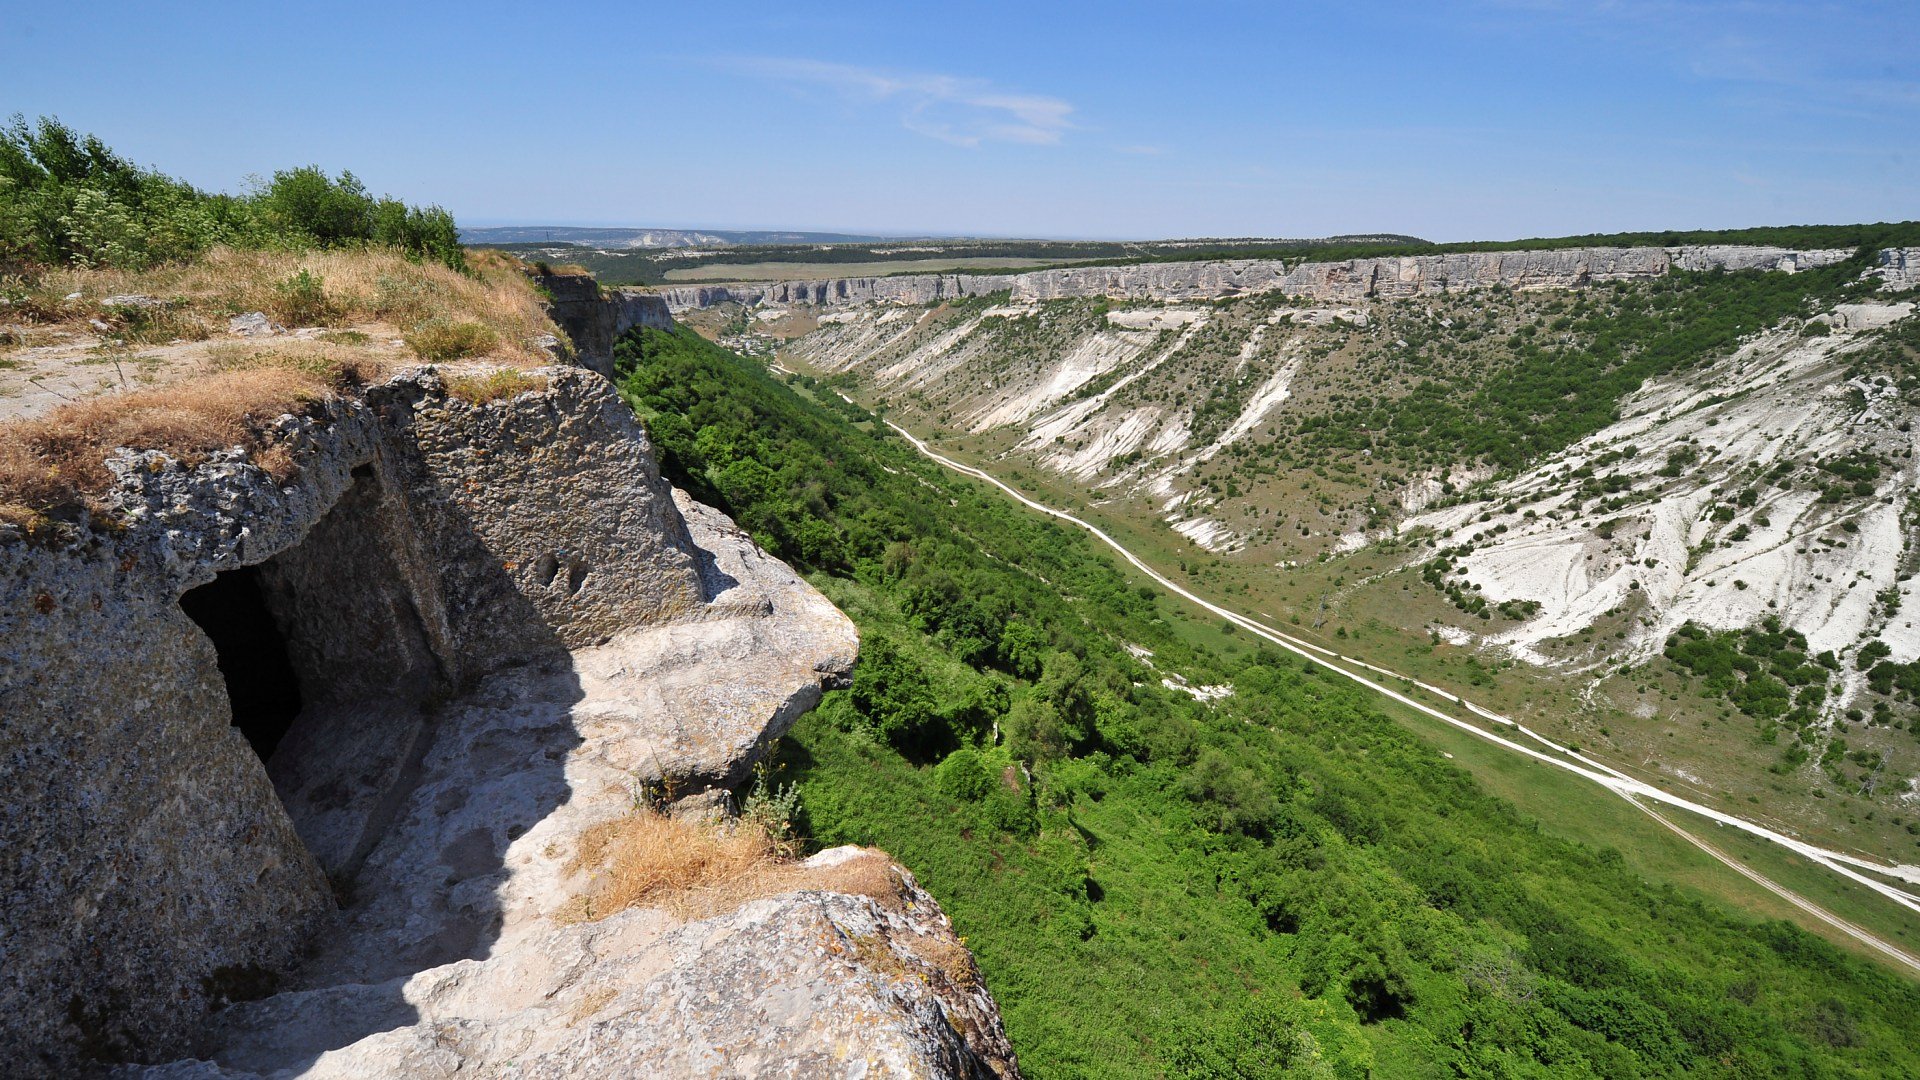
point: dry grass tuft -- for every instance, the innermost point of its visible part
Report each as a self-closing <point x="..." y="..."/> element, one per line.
<point x="951" y="958"/>
<point x="439" y="340"/>
<point x="487" y="261"/>
<point x="493" y="386"/>
<point x="339" y="366"/>
<point x="871" y="875"/>
<point x="649" y="859"/>
<point x="58" y="461"/>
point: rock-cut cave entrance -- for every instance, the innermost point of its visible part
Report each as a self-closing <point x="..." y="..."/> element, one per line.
<point x="261" y="684"/>
<point x="330" y="669"/>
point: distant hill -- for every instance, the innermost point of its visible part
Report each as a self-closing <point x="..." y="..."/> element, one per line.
<point x="612" y="239"/>
<point x="652" y="238"/>
<point x="660" y="256"/>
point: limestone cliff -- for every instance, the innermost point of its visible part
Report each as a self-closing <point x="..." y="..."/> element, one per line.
<point x="1349" y="280"/>
<point x="1899" y="267"/>
<point x="594" y="318"/>
<point x="294" y="772"/>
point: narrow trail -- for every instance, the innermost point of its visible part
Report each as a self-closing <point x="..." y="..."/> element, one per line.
<point x="1634" y="791"/>
<point x="1791" y="897"/>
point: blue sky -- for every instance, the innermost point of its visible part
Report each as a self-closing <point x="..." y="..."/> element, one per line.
<point x="1493" y="119"/>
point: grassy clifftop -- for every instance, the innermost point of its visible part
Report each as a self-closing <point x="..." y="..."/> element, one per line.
<point x="120" y="287"/>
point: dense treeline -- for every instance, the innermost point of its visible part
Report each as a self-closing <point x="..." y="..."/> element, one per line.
<point x="1279" y="883"/>
<point x="69" y="199"/>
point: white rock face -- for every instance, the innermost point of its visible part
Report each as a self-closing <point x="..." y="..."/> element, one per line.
<point x="1071" y="393"/>
<point x="1353" y="279"/>
<point x="1091" y="357"/>
<point x="1817" y="564"/>
<point x="1899" y="267"/>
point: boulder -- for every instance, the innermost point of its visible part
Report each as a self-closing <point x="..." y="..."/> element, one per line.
<point x="254" y="324"/>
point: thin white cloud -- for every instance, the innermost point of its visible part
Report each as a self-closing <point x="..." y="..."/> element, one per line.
<point x="962" y="111"/>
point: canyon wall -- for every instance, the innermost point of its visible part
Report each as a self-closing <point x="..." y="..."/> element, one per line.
<point x="1899" y="267"/>
<point x="295" y="768"/>
<point x="594" y="318"/>
<point x="1352" y="279"/>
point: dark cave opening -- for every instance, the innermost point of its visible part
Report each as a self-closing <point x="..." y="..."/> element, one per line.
<point x="260" y="679"/>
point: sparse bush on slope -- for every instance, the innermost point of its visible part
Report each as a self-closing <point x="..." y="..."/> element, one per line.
<point x="1548" y="395"/>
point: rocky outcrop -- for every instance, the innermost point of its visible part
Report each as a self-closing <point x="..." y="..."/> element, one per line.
<point x="811" y="983"/>
<point x="313" y="757"/>
<point x="594" y="318"/>
<point x="1352" y="279"/>
<point x="1899" y="268"/>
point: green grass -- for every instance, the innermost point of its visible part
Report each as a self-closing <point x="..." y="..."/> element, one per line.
<point x="1580" y="811"/>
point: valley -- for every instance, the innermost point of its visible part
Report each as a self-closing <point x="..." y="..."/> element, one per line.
<point x="1368" y="475"/>
<point x="1190" y="819"/>
<point x="1208" y="542"/>
<point x="1534" y="747"/>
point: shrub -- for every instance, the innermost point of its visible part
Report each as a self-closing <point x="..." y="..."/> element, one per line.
<point x="1271" y="1035"/>
<point x="963" y="776"/>
<point x="771" y="807"/>
<point x="69" y="199"/>
<point x="302" y="301"/>
<point x="306" y="202"/>
<point x="441" y="339"/>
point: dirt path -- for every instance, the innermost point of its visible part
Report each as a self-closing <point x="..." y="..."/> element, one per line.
<point x="1560" y="757"/>
<point x="1791" y="897"/>
<point x="37" y="379"/>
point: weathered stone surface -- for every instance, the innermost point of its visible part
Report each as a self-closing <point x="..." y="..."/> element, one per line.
<point x="1899" y="268"/>
<point x="808" y="984"/>
<point x="142" y="850"/>
<point x="501" y="622"/>
<point x="1353" y="279"/>
<point x="594" y="318"/>
<point x="254" y="324"/>
<point x="132" y="300"/>
<point x="551" y="500"/>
